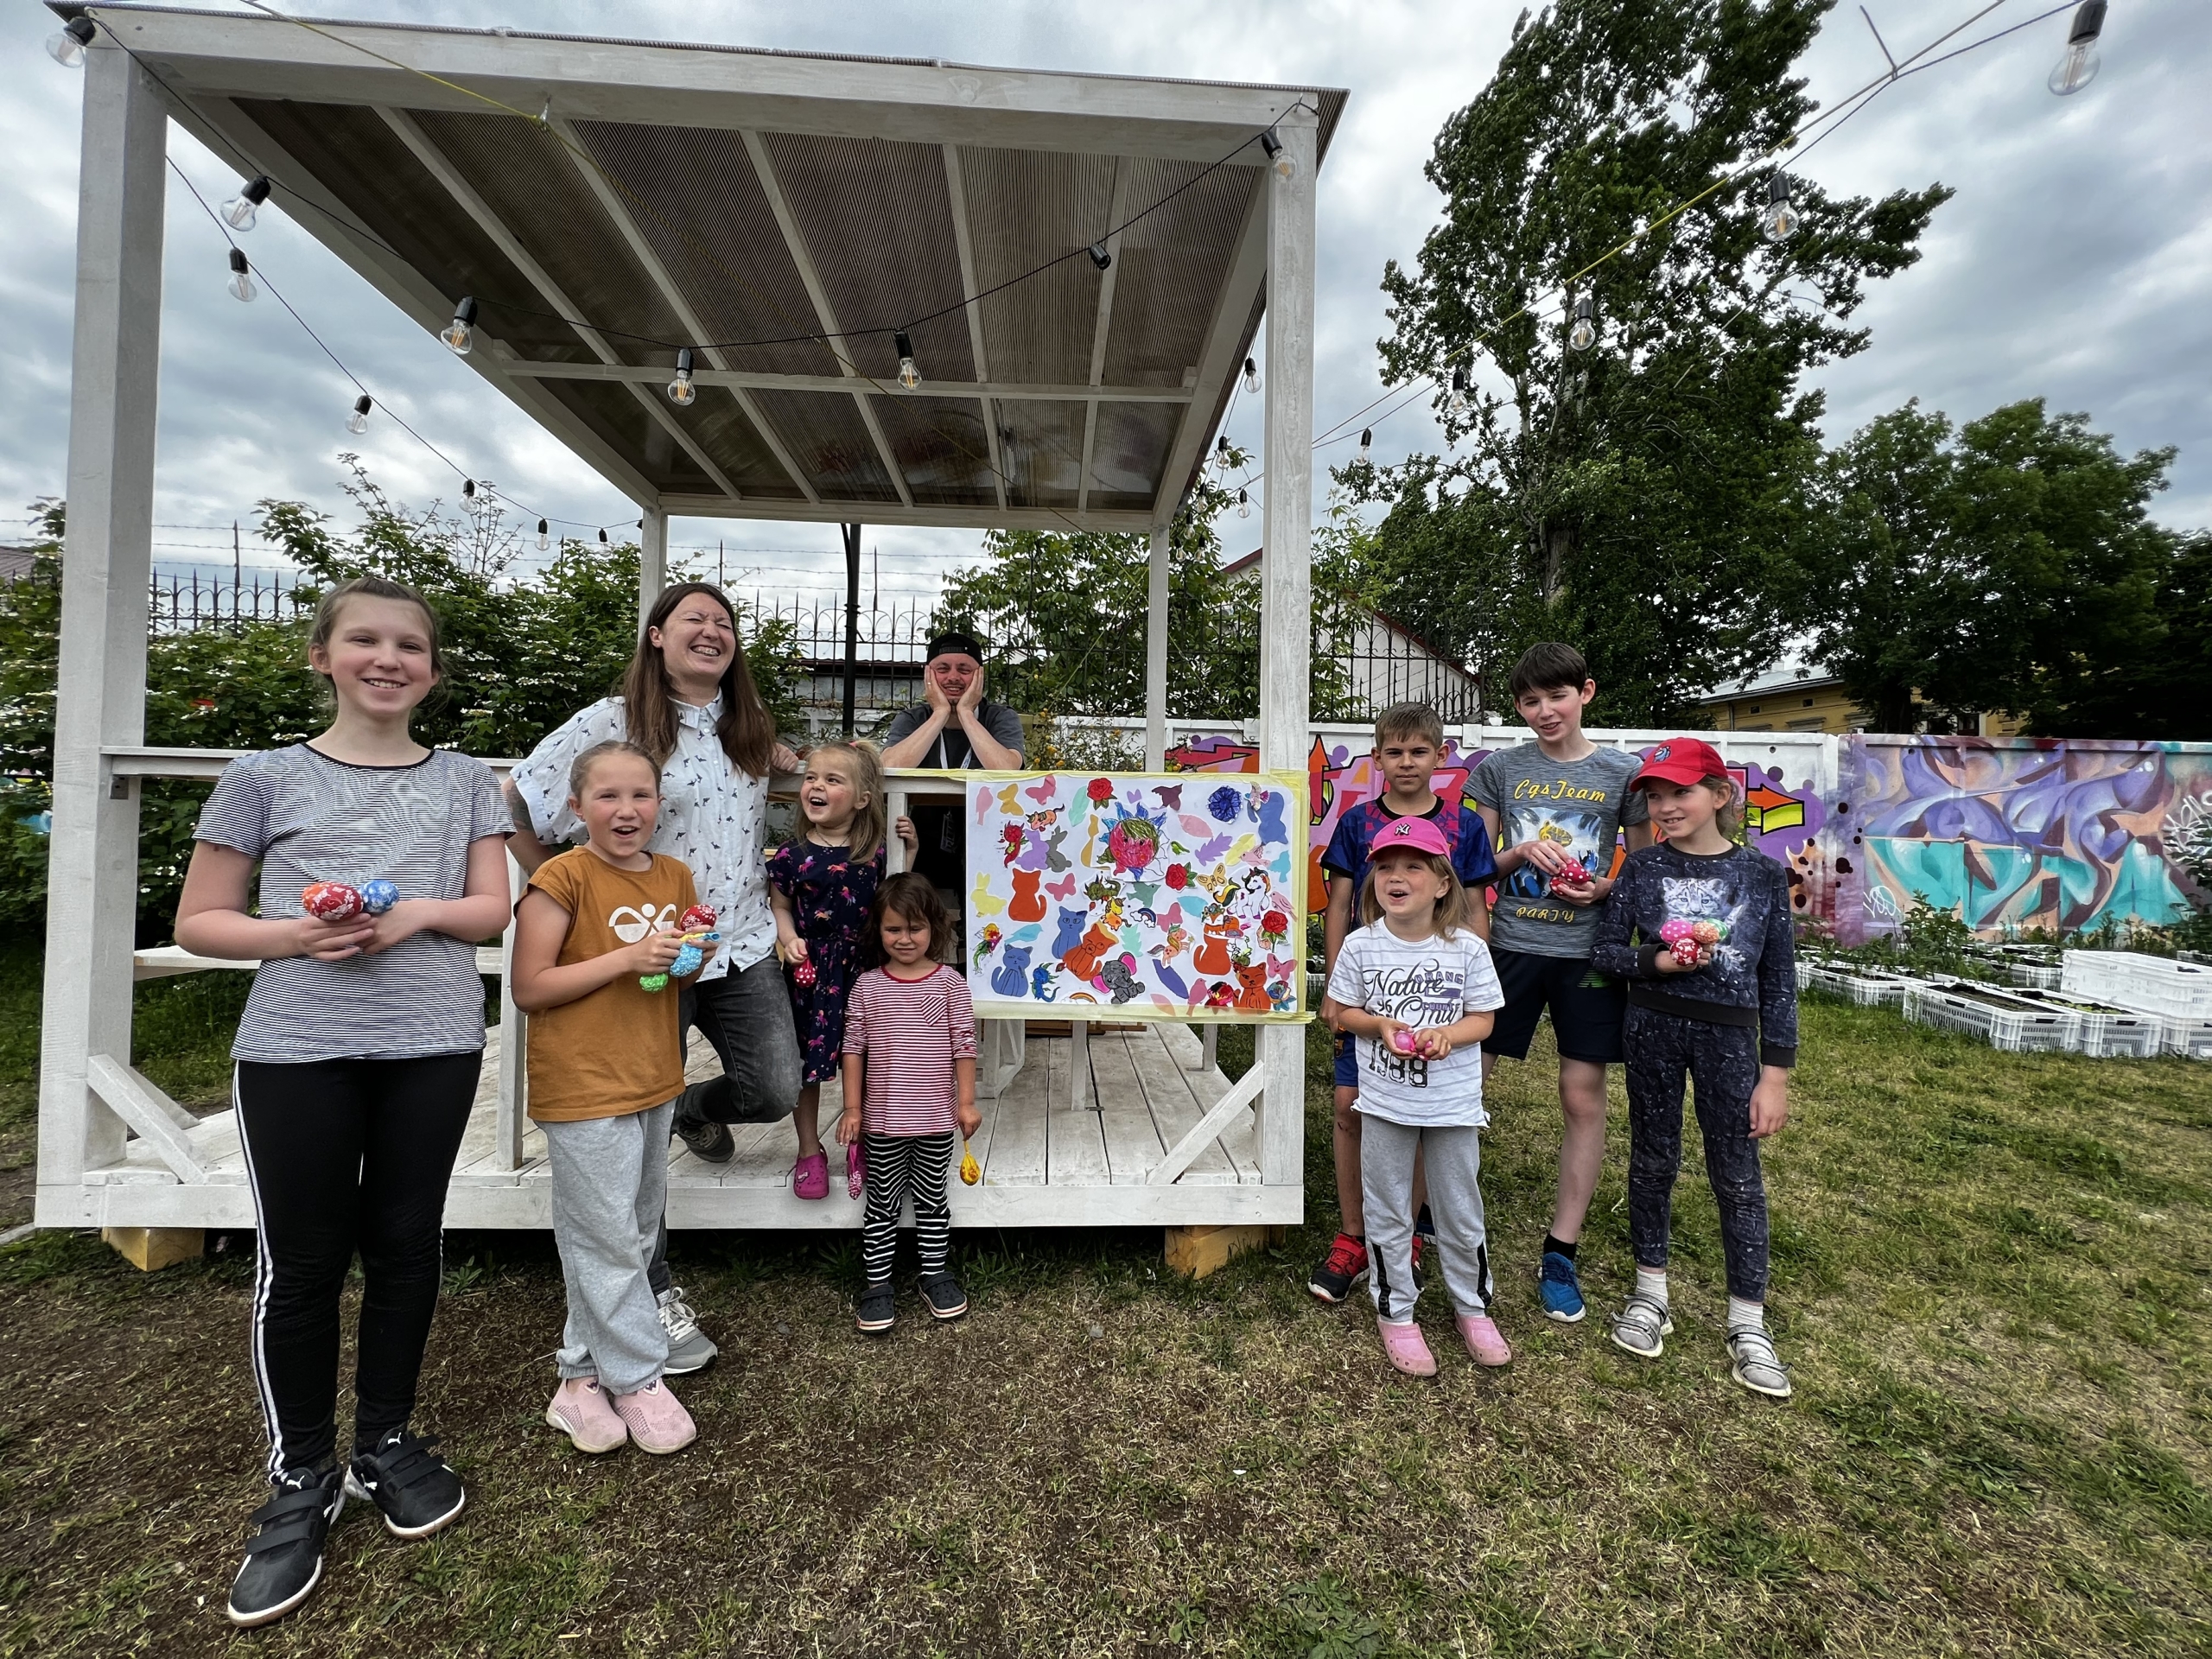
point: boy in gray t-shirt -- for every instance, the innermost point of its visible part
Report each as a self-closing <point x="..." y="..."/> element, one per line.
<point x="1551" y="805"/>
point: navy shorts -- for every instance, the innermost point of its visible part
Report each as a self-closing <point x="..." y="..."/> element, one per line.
<point x="1586" y="1006"/>
<point x="1347" y="1061"/>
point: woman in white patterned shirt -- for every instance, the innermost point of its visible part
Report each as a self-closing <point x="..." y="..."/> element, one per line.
<point x="689" y="701"/>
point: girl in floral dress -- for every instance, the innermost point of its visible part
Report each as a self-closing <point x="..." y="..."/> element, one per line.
<point x="821" y="884"/>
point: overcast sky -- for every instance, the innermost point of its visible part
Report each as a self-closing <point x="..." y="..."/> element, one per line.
<point x="2075" y="262"/>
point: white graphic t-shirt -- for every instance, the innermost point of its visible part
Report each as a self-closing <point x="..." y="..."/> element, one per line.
<point x="1420" y="983"/>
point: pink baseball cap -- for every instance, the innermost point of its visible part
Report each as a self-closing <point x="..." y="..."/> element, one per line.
<point x="1409" y="835"/>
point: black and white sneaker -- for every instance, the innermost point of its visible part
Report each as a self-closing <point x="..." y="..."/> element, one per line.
<point x="406" y="1478"/>
<point x="942" y="1293"/>
<point x="284" y="1561"/>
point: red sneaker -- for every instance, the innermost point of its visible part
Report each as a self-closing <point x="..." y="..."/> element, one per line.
<point x="1344" y="1266"/>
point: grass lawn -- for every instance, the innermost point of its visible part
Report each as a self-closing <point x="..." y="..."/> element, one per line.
<point x="1992" y="1278"/>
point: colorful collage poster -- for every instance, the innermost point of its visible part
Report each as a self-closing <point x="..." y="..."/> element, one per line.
<point x="1162" y="895"/>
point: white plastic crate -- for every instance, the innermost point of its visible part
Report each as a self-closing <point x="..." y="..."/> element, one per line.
<point x="1878" y="988"/>
<point x="2035" y="976"/>
<point x="2107" y="1033"/>
<point x="1813" y="975"/>
<point x="2192" y="1038"/>
<point x="2173" y="990"/>
<point x="2012" y="1023"/>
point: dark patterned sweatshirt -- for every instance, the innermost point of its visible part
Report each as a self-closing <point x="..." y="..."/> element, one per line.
<point x="1753" y="980"/>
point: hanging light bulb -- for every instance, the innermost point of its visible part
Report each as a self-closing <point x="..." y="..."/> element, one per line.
<point x="242" y="285"/>
<point x="602" y="537"/>
<point x="1221" y="453"/>
<point x="239" y="210"/>
<point x="1243" y="505"/>
<point x="544" y="536"/>
<point x="469" y="494"/>
<point x="1251" y="375"/>
<point x="67" y="47"/>
<point x="459" y="334"/>
<point x="1278" y="158"/>
<point x="1456" y="404"/>
<point x="1099" y="257"/>
<point x="358" y="422"/>
<point x="1778" y="223"/>
<point x="1367" y="444"/>
<point x="909" y="376"/>
<point x="680" y="391"/>
<point x="2079" y="66"/>
<point x="1584" y="334"/>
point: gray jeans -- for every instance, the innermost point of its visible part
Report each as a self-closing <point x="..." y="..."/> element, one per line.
<point x="747" y="1017"/>
<point x="1454" y="1159"/>
<point x="610" y="1187"/>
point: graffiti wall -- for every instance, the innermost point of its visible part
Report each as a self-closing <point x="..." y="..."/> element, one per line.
<point x="2011" y="833"/>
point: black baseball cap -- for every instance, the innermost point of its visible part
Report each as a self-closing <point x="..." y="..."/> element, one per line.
<point x="953" y="639"/>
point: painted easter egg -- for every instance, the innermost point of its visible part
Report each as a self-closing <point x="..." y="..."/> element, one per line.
<point x="803" y="973"/>
<point x="698" y="917"/>
<point x="378" y="897"/>
<point x="1674" y="931"/>
<point x="1708" y="932"/>
<point x="331" y="902"/>
<point x="1404" y="1041"/>
<point x="1686" y="951"/>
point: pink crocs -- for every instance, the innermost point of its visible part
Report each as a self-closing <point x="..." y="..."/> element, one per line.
<point x="1406" y="1348"/>
<point x="811" y="1176"/>
<point x="1485" y="1343"/>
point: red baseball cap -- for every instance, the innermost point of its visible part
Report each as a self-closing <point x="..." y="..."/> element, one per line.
<point x="1409" y="834"/>
<point x="1682" y="760"/>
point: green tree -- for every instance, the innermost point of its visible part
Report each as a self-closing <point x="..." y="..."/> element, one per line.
<point x="1065" y="615"/>
<point x="2010" y="566"/>
<point x="1637" y="497"/>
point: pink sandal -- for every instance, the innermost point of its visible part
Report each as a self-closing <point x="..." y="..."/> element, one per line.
<point x="855" y="1171"/>
<point x="811" y="1176"/>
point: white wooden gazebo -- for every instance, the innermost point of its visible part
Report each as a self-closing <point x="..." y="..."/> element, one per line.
<point x="1076" y="264"/>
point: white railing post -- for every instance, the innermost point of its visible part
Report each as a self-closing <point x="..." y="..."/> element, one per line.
<point x="100" y="701"/>
<point x="1155" y="654"/>
<point x="652" y="561"/>
<point x="1285" y="609"/>
<point x="514" y="1120"/>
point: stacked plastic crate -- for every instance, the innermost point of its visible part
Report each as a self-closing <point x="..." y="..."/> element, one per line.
<point x="2177" y="993"/>
<point x="2015" y="1024"/>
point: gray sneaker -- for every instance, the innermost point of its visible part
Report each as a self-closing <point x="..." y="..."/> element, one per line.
<point x="689" y="1349"/>
<point x="1641" y="1327"/>
<point x="1757" y="1367"/>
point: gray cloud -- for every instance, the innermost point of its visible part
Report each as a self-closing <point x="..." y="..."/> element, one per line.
<point x="2074" y="264"/>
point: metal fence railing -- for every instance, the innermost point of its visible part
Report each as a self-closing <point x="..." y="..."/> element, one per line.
<point x="178" y="601"/>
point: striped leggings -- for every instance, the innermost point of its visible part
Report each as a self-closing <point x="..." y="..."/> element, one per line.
<point x="900" y="1167"/>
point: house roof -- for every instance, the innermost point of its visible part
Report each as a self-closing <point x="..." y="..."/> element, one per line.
<point x="1250" y="565"/>
<point x="608" y="201"/>
<point x="1789" y="677"/>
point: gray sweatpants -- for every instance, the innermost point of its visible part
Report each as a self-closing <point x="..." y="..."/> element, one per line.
<point x="610" y="1184"/>
<point x="1454" y="1158"/>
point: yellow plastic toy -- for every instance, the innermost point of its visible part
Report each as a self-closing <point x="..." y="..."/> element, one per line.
<point x="971" y="1170"/>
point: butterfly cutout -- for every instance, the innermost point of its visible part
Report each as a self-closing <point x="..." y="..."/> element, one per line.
<point x="1063" y="889"/>
<point x="1042" y="791"/>
<point x="1169" y="795"/>
<point x="1008" y="804"/>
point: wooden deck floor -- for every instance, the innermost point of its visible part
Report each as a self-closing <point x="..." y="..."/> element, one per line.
<point x="1052" y="1154"/>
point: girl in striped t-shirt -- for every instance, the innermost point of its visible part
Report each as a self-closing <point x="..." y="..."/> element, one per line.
<point x="910" y="1078"/>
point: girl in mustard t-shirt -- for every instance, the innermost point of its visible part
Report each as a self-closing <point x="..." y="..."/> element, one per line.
<point x="605" y="1066"/>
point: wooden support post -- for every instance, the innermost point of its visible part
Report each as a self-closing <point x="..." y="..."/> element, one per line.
<point x="1078" y="1064"/>
<point x="151" y="1248"/>
<point x="1194" y="1252"/>
<point x="1285" y="586"/>
<point x="1155" y="654"/>
<point x="100" y="701"/>
<point x="894" y="850"/>
<point x="652" y="561"/>
<point x="513" y="1119"/>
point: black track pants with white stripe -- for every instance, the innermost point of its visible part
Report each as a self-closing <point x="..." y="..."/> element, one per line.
<point x="900" y="1167"/>
<point x="347" y="1155"/>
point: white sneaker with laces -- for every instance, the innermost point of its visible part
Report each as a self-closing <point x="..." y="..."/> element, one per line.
<point x="689" y="1349"/>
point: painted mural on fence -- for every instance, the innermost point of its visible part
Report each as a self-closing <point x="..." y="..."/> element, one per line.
<point x="1158" y="895"/>
<point x="2057" y="836"/>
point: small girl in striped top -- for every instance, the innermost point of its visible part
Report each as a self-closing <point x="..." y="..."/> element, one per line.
<point x="910" y="1080"/>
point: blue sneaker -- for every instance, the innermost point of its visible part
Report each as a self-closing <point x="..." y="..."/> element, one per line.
<point x="1561" y="1290"/>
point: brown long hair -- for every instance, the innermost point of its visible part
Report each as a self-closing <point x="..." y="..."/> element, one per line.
<point x="912" y="896"/>
<point x="1454" y="910"/>
<point x="746" y="730"/>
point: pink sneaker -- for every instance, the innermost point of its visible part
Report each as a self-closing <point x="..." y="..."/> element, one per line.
<point x="656" y="1419"/>
<point x="811" y="1176"/>
<point x="581" y="1410"/>
<point x="1485" y="1343"/>
<point x="1406" y="1348"/>
<point x="855" y="1171"/>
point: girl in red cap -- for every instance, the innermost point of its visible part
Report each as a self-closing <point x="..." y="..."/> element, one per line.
<point x="1700" y="928"/>
<point x="1414" y="986"/>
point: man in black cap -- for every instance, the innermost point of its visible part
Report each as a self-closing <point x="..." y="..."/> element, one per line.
<point x="954" y="728"/>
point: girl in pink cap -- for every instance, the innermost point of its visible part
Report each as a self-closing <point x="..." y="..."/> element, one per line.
<point x="1414" y="985"/>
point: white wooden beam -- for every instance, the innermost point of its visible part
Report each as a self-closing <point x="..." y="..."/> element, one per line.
<point x="1286" y="611"/>
<point x="1207" y="1129"/>
<point x="765" y="165"/>
<point x="100" y="694"/>
<point x="464" y="194"/>
<point x="1105" y="324"/>
<point x="642" y="250"/>
<point x="1155" y="651"/>
<point x="956" y="186"/>
<point x="761" y="380"/>
<point x="1220" y="358"/>
<point x="150" y="1112"/>
<point x="652" y="560"/>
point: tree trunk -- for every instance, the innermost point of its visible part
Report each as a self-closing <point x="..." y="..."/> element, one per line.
<point x="1561" y="543"/>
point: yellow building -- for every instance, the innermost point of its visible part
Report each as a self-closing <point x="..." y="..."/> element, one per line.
<point x="1795" y="699"/>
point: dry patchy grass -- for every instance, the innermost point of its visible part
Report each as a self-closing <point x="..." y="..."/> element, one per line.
<point x="1991" y="1276"/>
